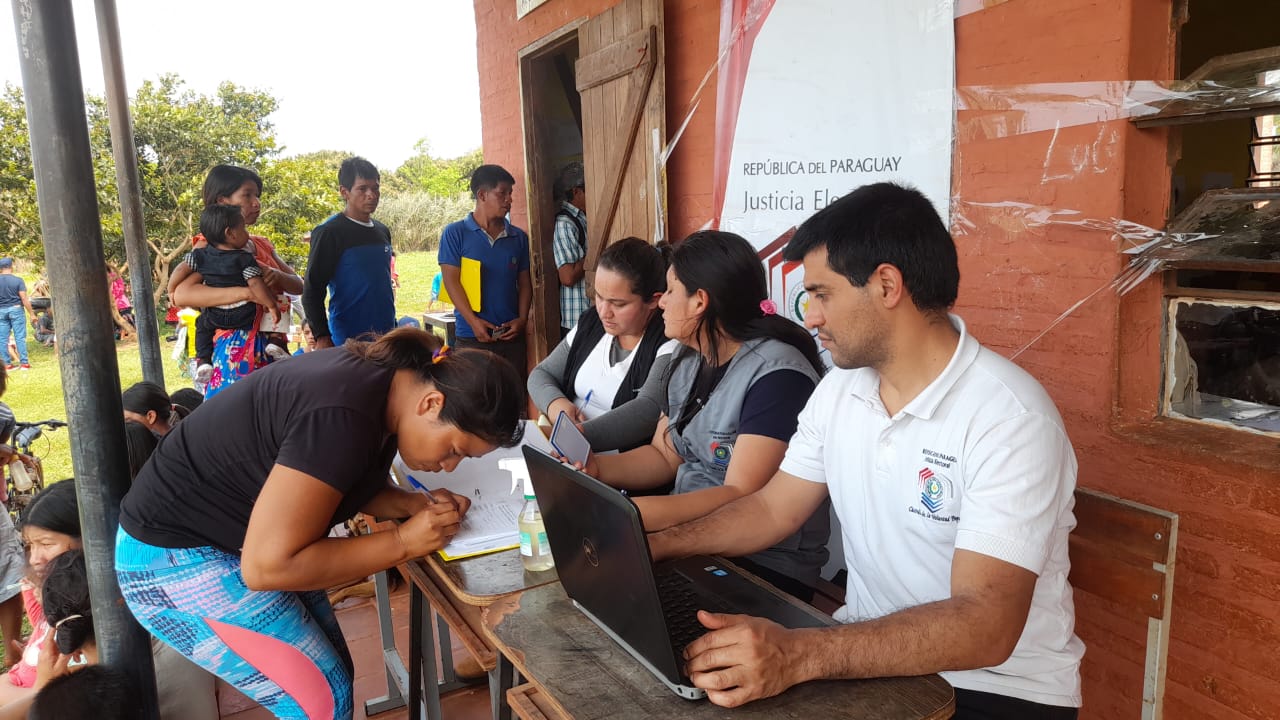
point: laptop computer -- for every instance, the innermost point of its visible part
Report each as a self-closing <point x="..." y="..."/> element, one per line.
<point x="603" y="560"/>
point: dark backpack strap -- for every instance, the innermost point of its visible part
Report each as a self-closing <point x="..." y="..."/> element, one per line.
<point x="578" y="225"/>
<point x="645" y="353"/>
<point x="588" y="333"/>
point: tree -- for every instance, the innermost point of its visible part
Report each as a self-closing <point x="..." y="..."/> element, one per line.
<point x="299" y="193"/>
<point x="180" y="135"/>
<point x="19" y="218"/>
<point x="435" y="176"/>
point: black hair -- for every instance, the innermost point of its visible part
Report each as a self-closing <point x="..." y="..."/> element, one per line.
<point x="488" y="177"/>
<point x="642" y="264"/>
<point x="139" y="442"/>
<point x="224" y="180"/>
<point x="727" y="268"/>
<point x="216" y="220"/>
<point x="354" y="168"/>
<point x="484" y="395"/>
<point x="64" y="596"/>
<point x="189" y="398"/>
<point x="98" y="691"/>
<point x="889" y="224"/>
<point x="569" y="178"/>
<point x="55" y="509"/>
<point x="145" y="397"/>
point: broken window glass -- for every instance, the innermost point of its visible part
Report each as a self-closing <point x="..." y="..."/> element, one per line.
<point x="1224" y="362"/>
<point x="1244" y="84"/>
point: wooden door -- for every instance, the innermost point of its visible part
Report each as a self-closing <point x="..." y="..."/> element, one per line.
<point x="620" y="77"/>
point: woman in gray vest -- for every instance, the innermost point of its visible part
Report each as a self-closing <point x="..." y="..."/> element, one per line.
<point x="737" y="385"/>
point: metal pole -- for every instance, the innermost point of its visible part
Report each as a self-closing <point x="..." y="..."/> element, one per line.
<point x="68" y="203"/>
<point x="135" y="232"/>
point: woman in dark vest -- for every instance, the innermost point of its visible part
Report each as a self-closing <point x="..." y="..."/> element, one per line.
<point x="609" y="373"/>
<point x="737" y="385"/>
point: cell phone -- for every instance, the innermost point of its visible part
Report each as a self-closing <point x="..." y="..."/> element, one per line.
<point x="569" y="441"/>
<point x="498" y="331"/>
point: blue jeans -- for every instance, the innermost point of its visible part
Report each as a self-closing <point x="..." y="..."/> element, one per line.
<point x="14" y="318"/>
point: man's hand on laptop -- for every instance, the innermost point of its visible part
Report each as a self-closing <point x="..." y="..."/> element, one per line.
<point x="744" y="658"/>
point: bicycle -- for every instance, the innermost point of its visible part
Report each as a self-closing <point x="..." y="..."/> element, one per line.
<point x="19" y="494"/>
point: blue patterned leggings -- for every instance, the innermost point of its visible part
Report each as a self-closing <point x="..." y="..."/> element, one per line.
<point x="283" y="649"/>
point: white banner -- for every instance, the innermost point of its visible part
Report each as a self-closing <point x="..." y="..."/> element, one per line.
<point x="818" y="97"/>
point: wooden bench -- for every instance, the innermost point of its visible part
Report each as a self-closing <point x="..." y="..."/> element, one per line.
<point x="1124" y="552"/>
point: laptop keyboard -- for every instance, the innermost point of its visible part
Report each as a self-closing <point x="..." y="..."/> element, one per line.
<point x="680" y="606"/>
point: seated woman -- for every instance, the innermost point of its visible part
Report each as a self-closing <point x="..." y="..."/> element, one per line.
<point x="609" y="373"/>
<point x="69" y="681"/>
<point x="71" y="643"/>
<point x="148" y="403"/>
<point x="50" y="527"/>
<point x="737" y="385"/>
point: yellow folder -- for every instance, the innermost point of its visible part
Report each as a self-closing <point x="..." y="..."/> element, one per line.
<point x="470" y="276"/>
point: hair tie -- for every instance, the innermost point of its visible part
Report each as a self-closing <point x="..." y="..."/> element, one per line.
<point x="66" y="619"/>
<point x="441" y="354"/>
<point x="768" y="307"/>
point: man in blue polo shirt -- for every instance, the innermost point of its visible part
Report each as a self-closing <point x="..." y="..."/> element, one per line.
<point x="502" y="250"/>
<point x="351" y="260"/>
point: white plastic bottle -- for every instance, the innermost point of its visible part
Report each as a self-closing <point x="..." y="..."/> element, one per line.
<point x="21" y="479"/>
<point x="535" y="551"/>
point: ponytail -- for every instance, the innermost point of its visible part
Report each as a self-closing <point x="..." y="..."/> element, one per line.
<point x="484" y="395"/>
<point x="65" y="597"/>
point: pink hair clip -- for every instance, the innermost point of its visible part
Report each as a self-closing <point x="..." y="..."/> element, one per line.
<point x="440" y="354"/>
<point x="768" y="307"/>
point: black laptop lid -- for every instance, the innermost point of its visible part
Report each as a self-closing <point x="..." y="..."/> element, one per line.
<point x="602" y="556"/>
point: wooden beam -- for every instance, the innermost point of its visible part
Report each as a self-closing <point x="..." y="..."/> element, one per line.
<point x="637" y="95"/>
<point x="620" y="58"/>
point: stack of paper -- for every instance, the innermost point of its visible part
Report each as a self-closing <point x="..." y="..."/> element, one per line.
<point x="490" y="524"/>
<point x="488" y="527"/>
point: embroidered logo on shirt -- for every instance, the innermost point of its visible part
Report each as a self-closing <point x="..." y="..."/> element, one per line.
<point x="721" y="453"/>
<point x="937" y="497"/>
<point x="932" y="496"/>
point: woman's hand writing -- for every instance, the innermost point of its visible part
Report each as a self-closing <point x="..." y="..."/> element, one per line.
<point x="431" y="528"/>
<point x="566" y="406"/>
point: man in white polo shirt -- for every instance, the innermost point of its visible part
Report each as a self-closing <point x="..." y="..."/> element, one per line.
<point x="949" y="469"/>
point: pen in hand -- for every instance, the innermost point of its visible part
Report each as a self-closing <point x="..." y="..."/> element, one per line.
<point x="419" y="486"/>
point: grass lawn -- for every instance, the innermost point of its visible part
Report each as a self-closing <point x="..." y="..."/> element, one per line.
<point x="36" y="394"/>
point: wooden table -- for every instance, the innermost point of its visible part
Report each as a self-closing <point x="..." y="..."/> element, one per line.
<point x="576" y="672"/>
<point x="456" y="592"/>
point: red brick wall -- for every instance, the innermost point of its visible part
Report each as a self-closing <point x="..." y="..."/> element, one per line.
<point x="1102" y="365"/>
<point x="692" y="30"/>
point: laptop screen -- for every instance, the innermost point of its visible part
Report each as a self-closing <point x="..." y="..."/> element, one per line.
<point x="602" y="556"/>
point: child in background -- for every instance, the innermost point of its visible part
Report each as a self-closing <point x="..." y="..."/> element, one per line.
<point x="120" y="295"/>
<point x="224" y="263"/>
<point x="62" y="691"/>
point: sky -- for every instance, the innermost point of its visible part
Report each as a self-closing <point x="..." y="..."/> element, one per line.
<point x="371" y="77"/>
